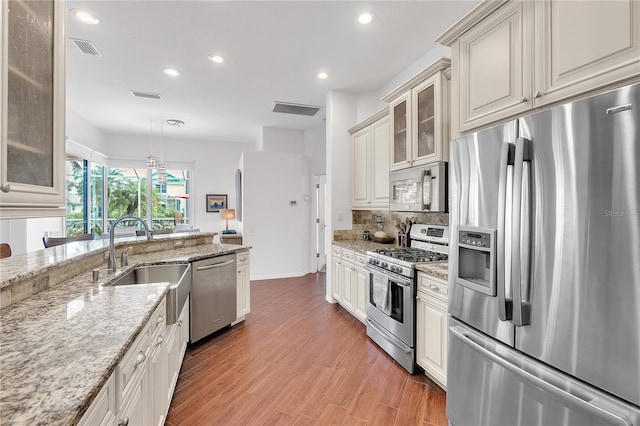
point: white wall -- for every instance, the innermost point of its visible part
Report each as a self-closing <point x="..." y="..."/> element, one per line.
<point x="276" y="139"/>
<point x="214" y="165"/>
<point x="280" y="234"/>
<point x="315" y="147"/>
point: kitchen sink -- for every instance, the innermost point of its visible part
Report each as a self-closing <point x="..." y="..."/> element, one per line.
<point x="178" y="275"/>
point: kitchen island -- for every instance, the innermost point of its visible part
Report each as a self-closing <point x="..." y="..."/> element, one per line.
<point x="59" y="346"/>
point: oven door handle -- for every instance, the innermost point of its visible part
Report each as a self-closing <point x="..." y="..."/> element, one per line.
<point x="403" y="281"/>
<point x="404" y="348"/>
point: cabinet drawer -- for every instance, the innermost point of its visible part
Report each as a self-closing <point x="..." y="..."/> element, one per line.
<point x="103" y="409"/>
<point x="360" y="258"/>
<point x="337" y="251"/>
<point x="347" y="255"/>
<point x="132" y="365"/>
<point x="432" y="286"/>
<point x="242" y="258"/>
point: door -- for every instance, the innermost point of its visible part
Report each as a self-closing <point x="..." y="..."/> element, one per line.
<point x="474" y="181"/>
<point x="584" y="219"/>
<point x="321" y="244"/>
<point x="361" y="189"/>
<point x="492" y="384"/>
<point x="401" y="132"/>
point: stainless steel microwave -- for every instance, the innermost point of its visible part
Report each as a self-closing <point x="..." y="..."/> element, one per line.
<point x="419" y="189"/>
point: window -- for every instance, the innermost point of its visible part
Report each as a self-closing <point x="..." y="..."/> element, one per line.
<point x="126" y="193"/>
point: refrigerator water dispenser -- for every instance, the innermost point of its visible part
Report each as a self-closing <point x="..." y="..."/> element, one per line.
<point x="477" y="259"/>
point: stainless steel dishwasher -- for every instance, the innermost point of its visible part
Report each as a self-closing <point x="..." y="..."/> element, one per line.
<point x="213" y="295"/>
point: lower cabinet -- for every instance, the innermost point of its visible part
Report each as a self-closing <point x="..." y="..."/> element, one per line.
<point x="177" y="339"/>
<point x="243" y="297"/>
<point x="431" y="327"/>
<point x="349" y="281"/>
<point x="103" y="409"/>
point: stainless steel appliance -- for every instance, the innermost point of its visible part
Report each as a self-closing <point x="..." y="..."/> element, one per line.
<point x="213" y="295"/>
<point x="422" y="189"/>
<point x="391" y="290"/>
<point x="544" y="271"/>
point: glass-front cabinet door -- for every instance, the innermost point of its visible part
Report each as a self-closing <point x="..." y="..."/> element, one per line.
<point x="401" y="128"/>
<point x="32" y="121"/>
<point x="427" y="118"/>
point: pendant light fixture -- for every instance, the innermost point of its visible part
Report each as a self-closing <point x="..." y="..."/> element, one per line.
<point x="151" y="160"/>
<point x="161" y="170"/>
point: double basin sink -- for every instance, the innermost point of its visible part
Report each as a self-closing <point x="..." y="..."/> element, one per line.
<point x="178" y="275"/>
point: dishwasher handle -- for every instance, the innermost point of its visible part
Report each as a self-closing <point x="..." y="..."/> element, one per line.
<point x="215" y="265"/>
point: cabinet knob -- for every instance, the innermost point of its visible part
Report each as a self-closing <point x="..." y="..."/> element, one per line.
<point x="180" y="323"/>
<point x="523" y="100"/>
<point x="160" y="340"/>
<point x="5" y="187"/>
<point x="538" y="94"/>
<point x="123" y="422"/>
<point x="434" y="287"/>
<point x="160" y="319"/>
<point x="139" y="360"/>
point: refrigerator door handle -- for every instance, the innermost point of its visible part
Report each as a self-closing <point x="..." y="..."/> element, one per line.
<point x="504" y="304"/>
<point x="521" y="307"/>
<point x="585" y="401"/>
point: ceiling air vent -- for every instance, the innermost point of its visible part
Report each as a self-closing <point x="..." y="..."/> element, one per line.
<point x="87" y="47"/>
<point x="297" y="109"/>
<point x="148" y="95"/>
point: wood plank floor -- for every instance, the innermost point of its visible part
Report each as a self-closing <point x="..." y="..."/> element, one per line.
<point x="298" y="360"/>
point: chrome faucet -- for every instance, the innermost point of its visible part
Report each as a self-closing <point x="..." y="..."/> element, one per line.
<point x="112" y="250"/>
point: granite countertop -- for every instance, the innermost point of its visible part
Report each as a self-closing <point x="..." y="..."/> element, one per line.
<point x="59" y="347"/>
<point x="362" y="245"/>
<point x="437" y="269"/>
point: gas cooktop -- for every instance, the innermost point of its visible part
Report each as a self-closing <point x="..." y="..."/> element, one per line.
<point x="411" y="254"/>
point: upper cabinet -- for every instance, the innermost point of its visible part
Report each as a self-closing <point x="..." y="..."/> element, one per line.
<point x="419" y="111"/>
<point x="32" y="147"/>
<point x="509" y="57"/>
<point x="370" y="160"/>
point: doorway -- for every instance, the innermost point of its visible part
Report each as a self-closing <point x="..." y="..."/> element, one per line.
<point x="321" y="252"/>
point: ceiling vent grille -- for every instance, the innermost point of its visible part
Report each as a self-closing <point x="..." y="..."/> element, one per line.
<point x="87" y="47"/>
<point x="297" y="109"/>
<point x="147" y="95"/>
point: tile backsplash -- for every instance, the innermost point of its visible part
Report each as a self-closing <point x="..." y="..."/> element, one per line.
<point x="367" y="220"/>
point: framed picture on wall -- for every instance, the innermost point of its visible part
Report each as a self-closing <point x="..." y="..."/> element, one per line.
<point x="215" y="202"/>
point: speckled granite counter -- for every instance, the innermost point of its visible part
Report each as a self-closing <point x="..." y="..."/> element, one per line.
<point x="437" y="269"/>
<point x="361" y="245"/>
<point x="58" y="347"/>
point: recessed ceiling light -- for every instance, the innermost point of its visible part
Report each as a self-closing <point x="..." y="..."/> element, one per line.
<point x="323" y="75"/>
<point x="172" y="72"/>
<point x="84" y="16"/>
<point x="216" y="58"/>
<point x="366" y="18"/>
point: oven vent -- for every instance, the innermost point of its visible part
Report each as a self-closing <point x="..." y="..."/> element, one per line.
<point x="297" y="109"/>
<point x="87" y="47"/>
<point x="147" y="95"/>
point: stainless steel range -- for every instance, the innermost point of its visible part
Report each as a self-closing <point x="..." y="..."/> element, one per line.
<point x="391" y="290"/>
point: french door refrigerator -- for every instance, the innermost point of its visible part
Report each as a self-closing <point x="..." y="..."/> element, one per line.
<point x="544" y="268"/>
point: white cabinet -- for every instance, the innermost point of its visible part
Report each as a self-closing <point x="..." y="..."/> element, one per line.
<point x="584" y="45"/>
<point x="511" y="57"/>
<point x="349" y="281"/>
<point x="337" y="273"/>
<point x="370" y="161"/>
<point x="103" y="409"/>
<point x="495" y="66"/>
<point x="177" y="339"/>
<point x="431" y="327"/>
<point x="419" y="114"/>
<point x="32" y="120"/>
<point x="361" y="280"/>
<point x="348" y="269"/>
<point x="158" y="370"/>
<point x="243" y="295"/>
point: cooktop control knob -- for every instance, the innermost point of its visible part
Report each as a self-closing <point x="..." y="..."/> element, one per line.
<point x="398" y="270"/>
<point x="392" y="269"/>
<point x="384" y="264"/>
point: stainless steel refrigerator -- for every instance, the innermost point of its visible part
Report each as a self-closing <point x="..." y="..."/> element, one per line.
<point x="544" y="268"/>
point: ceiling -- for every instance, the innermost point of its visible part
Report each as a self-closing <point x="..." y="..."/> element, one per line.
<point x="272" y="50"/>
